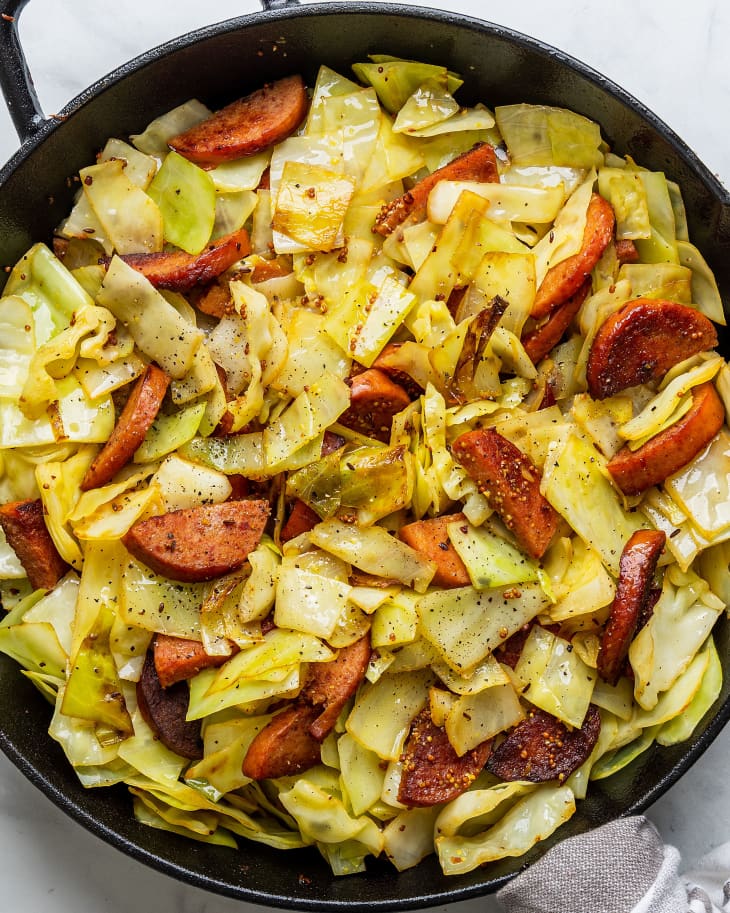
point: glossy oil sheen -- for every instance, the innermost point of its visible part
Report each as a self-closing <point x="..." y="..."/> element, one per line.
<point x="217" y="65"/>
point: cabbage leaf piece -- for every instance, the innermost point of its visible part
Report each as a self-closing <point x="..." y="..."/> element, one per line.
<point x="405" y="694"/>
<point x="155" y="137"/>
<point x="130" y="219"/>
<point x="556" y="678"/>
<point x="51" y="290"/>
<point x="395" y="79"/>
<point x="543" y="135"/>
<point x="374" y="551"/>
<point x="575" y="483"/>
<point x="465" y="624"/>
<point x="534" y="817"/>
<point x="682" y="619"/>
<point x="682" y="726"/>
<point x="93" y="689"/>
<point x="157" y="328"/>
<point x="185" y="195"/>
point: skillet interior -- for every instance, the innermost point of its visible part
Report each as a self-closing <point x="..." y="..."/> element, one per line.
<point x="218" y="64"/>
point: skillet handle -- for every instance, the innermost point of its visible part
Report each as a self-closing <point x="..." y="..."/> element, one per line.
<point x="278" y="4"/>
<point x="15" y="79"/>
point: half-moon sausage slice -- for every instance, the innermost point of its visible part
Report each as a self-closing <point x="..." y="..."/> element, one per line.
<point x="330" y="685"/>
<point x="300" y="520"/>
<point x="164" y="711"/>
<point x="138" y="414"/>
<point x="199" y="543"/>
<point x="542" y="748"/>
<point x="285" y="746"/>
<point x="432" y="770"/>
<point x="636" y="470"/>
<point x="178" y="271"/>
<point x="177" y="659"/>
<point x="431" y="539"/>
<point x="249" y="125"/>
<point x="642" y="341"/>
<point x="478" y="164"/>
<point x="511" y="483"/>
<point x="25" y="529"/>
<point x="633" y="589"/>
<point x="541" y="340"/>
<point x="374" y="400"/>
<point x="564" y="279"/>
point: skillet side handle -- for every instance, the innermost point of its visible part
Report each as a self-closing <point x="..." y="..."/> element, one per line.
<point x="15" y="79"/>
<point x="278" y="4"/>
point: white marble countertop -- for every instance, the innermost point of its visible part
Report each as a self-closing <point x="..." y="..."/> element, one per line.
<point x="672" y="56"/>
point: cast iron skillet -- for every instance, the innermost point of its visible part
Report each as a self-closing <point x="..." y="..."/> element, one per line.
<point x="218" y="64"/>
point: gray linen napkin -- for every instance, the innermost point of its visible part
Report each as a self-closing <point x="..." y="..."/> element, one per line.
<point x="622" y="867"/>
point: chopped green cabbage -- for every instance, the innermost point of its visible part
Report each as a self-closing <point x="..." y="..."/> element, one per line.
<point x="261" y="360"/>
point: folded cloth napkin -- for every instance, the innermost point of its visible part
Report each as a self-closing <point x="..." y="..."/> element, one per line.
<point x="622" y="867"/>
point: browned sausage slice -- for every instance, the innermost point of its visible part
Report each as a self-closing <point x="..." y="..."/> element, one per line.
<point x="636" y="470"/>
<point x="389" y="363"/>
<point x="564" y="279"/>
<point x="478" y="164"/>
<point x="330" y="685"/>
<point x="626" y="251"/>
<point x="249" y="125"/>
<point x="542" y="748"/>
<point x="642" y="341"/>
<point x="199" y="543"/>
<point x="177" y="659"/>
<point x="633" y="590"/>
<point x="285" y="746"/>
<point x="511" y="483"/>
<point x="544" y="338"/>
<point x="432" y="770"/>
<point x="374" y="400"/>
<point x="300" y="520"/>
<point x="164" y="711"/>
<point x="178" y="271"/>
<point x="25" y="529"/>
<point x="138" y="414"/>
<point x="431" y="539"/>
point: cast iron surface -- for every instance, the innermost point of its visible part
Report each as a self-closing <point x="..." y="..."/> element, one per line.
<point x="218" y="64"/>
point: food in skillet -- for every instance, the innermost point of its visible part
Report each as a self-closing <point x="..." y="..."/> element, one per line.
<point x="365" y="470"/>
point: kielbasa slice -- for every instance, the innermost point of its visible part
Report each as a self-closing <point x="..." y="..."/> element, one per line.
<point x="164" y="711"/>
<point x="374" y="400"/>
<point x="642" y="341"/>
<point x="24" y="525"/>
<point x="134" y="422"/>
<point x="431" y="539"/>
<point x="300" y="520"/>
<point x="626" y="251"/>
<point x="478" y="164"/>
<point x="669" y="451"/>
<point x="389" y="363"/>
<point x="511" y="483"/>
<point x="544" y="338"/>
<point x="633" y="590"/>
<point x="329" y="686"/>
<point x="249" y="125"/>
<point x="177" y="659"/>
<point x="284" y="746"/>
<point x="542" y="748"/>
<point x="199" y="543"/>
<point x="432" y="770"/>
<point x="565" y="278"/>
<point x="178" y="271"/>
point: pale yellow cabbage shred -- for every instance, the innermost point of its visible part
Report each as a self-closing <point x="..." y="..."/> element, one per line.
<point x="275" y="371"/>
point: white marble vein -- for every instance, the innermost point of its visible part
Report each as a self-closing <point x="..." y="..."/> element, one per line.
<point x="673" y="57"/>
